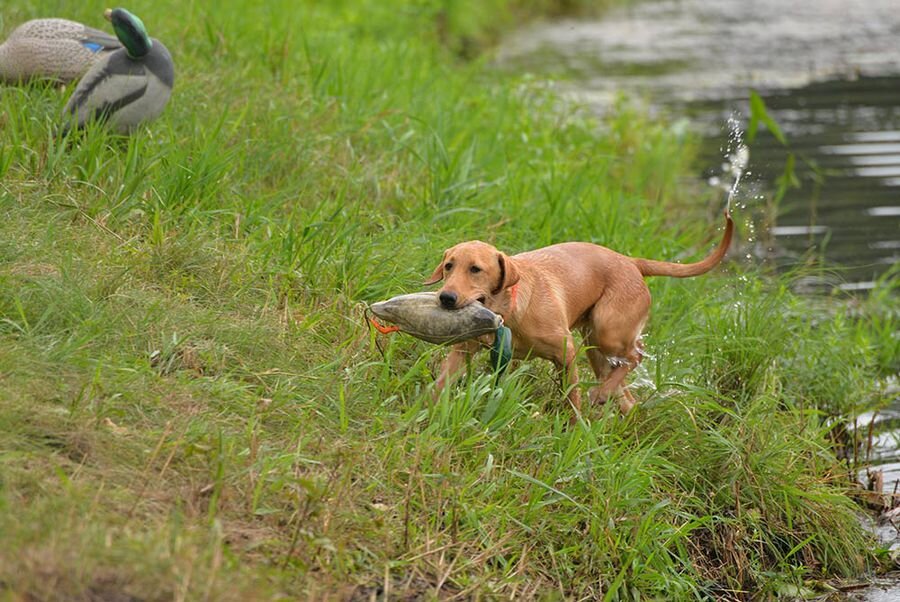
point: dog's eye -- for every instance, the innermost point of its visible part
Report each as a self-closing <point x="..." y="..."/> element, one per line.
<point x="448" y="266"/>
<point x="474" y="269"/>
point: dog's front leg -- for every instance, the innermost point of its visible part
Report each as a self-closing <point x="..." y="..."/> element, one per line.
<point x="453" y="363"/>
<point x="569" y="374"/>
<point x="562" y="353"/>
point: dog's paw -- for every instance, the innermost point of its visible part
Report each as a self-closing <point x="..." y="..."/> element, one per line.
<point x="597" y="397"/>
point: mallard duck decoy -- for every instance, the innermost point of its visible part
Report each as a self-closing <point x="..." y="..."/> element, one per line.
<point x="128" y="86"/>
<point x="52" y="48"/>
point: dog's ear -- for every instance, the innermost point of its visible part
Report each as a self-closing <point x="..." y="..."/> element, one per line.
<point x="509" y="275"/>
<point x="438" y="273"/>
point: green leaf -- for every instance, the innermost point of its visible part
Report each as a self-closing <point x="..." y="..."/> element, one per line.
<point x="759" y="113"/>
<point x="788" y="178"/>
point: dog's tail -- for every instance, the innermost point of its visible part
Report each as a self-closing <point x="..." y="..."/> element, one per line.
<point x="649" y="267"/>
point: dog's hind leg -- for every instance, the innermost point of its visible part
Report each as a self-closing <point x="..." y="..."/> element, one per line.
<point x="600" y="366"/>
<point x="615" y="383"/>
<point x="615" y="335"/>
<point x="611" y="380"/>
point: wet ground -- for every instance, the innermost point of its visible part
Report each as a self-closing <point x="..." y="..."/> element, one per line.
<point x="829" y="71"/>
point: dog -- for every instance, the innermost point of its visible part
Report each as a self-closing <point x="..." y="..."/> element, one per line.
<point x="544" y="294"/>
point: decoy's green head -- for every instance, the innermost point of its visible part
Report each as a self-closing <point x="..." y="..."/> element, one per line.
<point x="131" y="32"/>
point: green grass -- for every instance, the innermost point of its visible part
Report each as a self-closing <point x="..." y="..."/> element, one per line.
<point x="191" y="406"/>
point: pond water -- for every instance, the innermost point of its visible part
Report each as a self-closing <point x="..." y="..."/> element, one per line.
<point x="829" y="73"/>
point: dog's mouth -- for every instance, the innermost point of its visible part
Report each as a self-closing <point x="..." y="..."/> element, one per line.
<point x="481" y="299"/>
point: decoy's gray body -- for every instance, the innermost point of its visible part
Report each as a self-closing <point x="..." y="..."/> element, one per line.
<point x="423" y="316"/>
<point x="52" y="48"/>
<point x="127" y="87"/>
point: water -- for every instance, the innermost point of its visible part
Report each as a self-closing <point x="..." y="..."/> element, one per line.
<point x="829" y="72"/>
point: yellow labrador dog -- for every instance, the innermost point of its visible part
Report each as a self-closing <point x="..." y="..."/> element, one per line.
<point x="546" y="293"/>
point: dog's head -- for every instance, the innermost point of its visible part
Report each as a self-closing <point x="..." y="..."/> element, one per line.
<point x="473" y="271"/>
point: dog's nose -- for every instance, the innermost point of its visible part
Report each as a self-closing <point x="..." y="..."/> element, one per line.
<point x="448" y="300"/>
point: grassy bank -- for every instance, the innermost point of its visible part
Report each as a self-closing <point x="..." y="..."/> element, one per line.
<point x="191" y="406"/>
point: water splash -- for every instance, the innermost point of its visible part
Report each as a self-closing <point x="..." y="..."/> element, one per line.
<point x="738" y="158"/>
